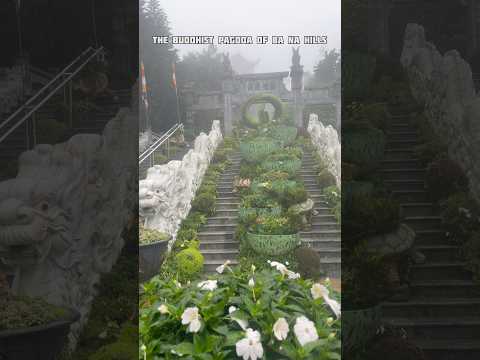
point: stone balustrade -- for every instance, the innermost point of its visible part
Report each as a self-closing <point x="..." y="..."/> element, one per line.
<point x="445" y="86"/>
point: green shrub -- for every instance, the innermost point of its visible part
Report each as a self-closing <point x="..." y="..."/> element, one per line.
<point x="364" y="148"/>
<point x="205" y="203"/>
<point x="189" y="262"/>
<point x="273" y="225"/>
<point x="326" y="179"/>
<point x="220" y="155"/>
<point x="249" y="171"/>
<point x="308" y="261"/>
<point x="444" y="177"/>
<point x="187" y="235"/>
<point x="273" y="175"/>
<point x="159" y="159"/>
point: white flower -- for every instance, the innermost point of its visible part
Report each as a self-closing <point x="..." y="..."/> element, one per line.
<point x="177" y="283"/>
<point x="163" y="309"/>
<point x="280" y="329"/>
<point x="253" y="268"/>
<point x="251" y="283"/>
<point x="331" y="336"/>
<point x="221" y="268"/>
<point x="243" y="323"/>
<point x="293" y="275"/>
<point x="209" y="285"/>
<point x="191" y="317"/>
<point x="329" y="321"/>
<point x="305" y="330"/>
<point x="319" y="291"/>
<point x="250" y="347"/>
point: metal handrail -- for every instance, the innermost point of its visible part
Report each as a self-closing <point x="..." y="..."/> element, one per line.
<point x="45" y="93"/>
<point x="152" y="148"/>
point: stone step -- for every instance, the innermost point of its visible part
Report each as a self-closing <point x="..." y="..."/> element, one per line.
<point x="322" y="211"/>
<point x="209" y="266"/>
<point x="440" y="253"/>
<point x="439" y="271"/>
<point x="329" y="254"/>
<point x="433" y="308"/>
<point x="227" y="212"/>
<point x="445" y="289"/>
<point x="401" y="134"/>
<point x="221" y="199"/>
<point x="323" y="244"/>
<point x="461" y="349"/>
<point x="406" y="184"/>
<point x="218" y="244"/>
<point x="423" y="222"/>
<point x="227" y="205"/>
<point x="318" y="235"/>
<point x="219" y="227"/>
<point x="403" y="174"/>
<point x="221" y="255"/>
<point x="216" y="236"/>
<point x="391" y="154"/>
<point x="323" y="225"/>
<point x="401" y="144"/>
<point x="411" y="196"/>
<point x="222" y="220"/>
<point x="332" y="268"/>
<point x="405" y="163"/>
<point x="438" y="329"/>
<point x="418" y="209"/>
<point x="431" y="237"/>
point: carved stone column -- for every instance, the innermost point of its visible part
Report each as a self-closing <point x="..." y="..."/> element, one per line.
<point x="296" y="75"/>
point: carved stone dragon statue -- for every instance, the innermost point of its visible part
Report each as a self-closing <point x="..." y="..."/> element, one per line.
<point x="62" y="217"/>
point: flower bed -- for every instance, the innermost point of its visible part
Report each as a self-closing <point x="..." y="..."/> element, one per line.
<point x="273" y="244"/>
<point x="290" y="166"/>
<point x="252" y="314"/>
<point x="284" y="134"/>
<point x="257" y="149"/>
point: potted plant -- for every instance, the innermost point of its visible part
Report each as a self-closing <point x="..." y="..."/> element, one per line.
<point x="153" y="247"/>
<point x="258" y="205"/>
<point x="33" y="322"/>
<point x="273" y="235"/>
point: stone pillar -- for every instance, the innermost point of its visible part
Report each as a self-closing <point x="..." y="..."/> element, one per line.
<point x="227" y="113"/>
<point x="378" y="26"/>
<point x="296" y="75"/>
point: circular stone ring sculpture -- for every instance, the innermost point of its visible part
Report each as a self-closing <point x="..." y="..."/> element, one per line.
<point x="261" y="99"/>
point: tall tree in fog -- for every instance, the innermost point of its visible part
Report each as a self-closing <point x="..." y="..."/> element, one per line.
<point x="158" y="60"/>
<point x="327" y="70"/>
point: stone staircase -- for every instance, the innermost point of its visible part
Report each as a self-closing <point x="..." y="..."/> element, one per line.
<point x="442" y="314"/>
<point x="325" y="234"/>
<point x="217" y="236"/>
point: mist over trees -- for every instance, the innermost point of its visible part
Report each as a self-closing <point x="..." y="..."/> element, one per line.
<point x="326" y="71"/>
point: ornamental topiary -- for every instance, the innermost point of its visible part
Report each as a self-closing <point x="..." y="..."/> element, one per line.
<point x="261" y="99"/>
<point x="285" y="134"/>
<point x="189" y="262"/>
<point x="308" y="262"/>
<point x="205" y="203"/>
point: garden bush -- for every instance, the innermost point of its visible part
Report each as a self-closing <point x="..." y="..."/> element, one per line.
<point x="205" y="203"/>
<point x="444" y="177"/>
<point x="189" y="262"/>
<point x="308" y="261"/>
<point x="271" y="313"/>
<point x="364" y="148"/>
<point x="325" y="179"/>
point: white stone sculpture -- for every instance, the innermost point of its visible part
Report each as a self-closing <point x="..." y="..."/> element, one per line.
<point x="62" y="217"/>
<point x="166" y="194"/>
<point x="444" y="85"/>
<point x="326" y="142"/>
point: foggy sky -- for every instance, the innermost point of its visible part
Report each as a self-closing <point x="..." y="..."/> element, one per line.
<point x="258" y="17"/>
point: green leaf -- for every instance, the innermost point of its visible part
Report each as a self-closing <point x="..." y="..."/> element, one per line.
<point x="184" y="348"/>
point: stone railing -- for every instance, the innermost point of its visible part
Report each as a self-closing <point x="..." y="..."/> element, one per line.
<point x="166" y="194"/>
<point x="62" y="217"/>
<point x="444" y="85"/>
<point x="326" y="142"/>
<point x="11" y="89"/>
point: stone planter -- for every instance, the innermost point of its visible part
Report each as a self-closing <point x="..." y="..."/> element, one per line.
<point x="289" y="166"/>
<point x="273" y="245"/>
<point x="150" y="258"/>
<point x="359" y="326"/>
<point x="256" y="151"/>
<point x="244" y="213"/>
<point x="43" y="342"/>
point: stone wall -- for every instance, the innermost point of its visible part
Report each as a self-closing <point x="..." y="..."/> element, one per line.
<point x="62" y="217"/>
<point x="444" y="85"/>
<point x="166" y="194"/>
<point x="326" y="141"/>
